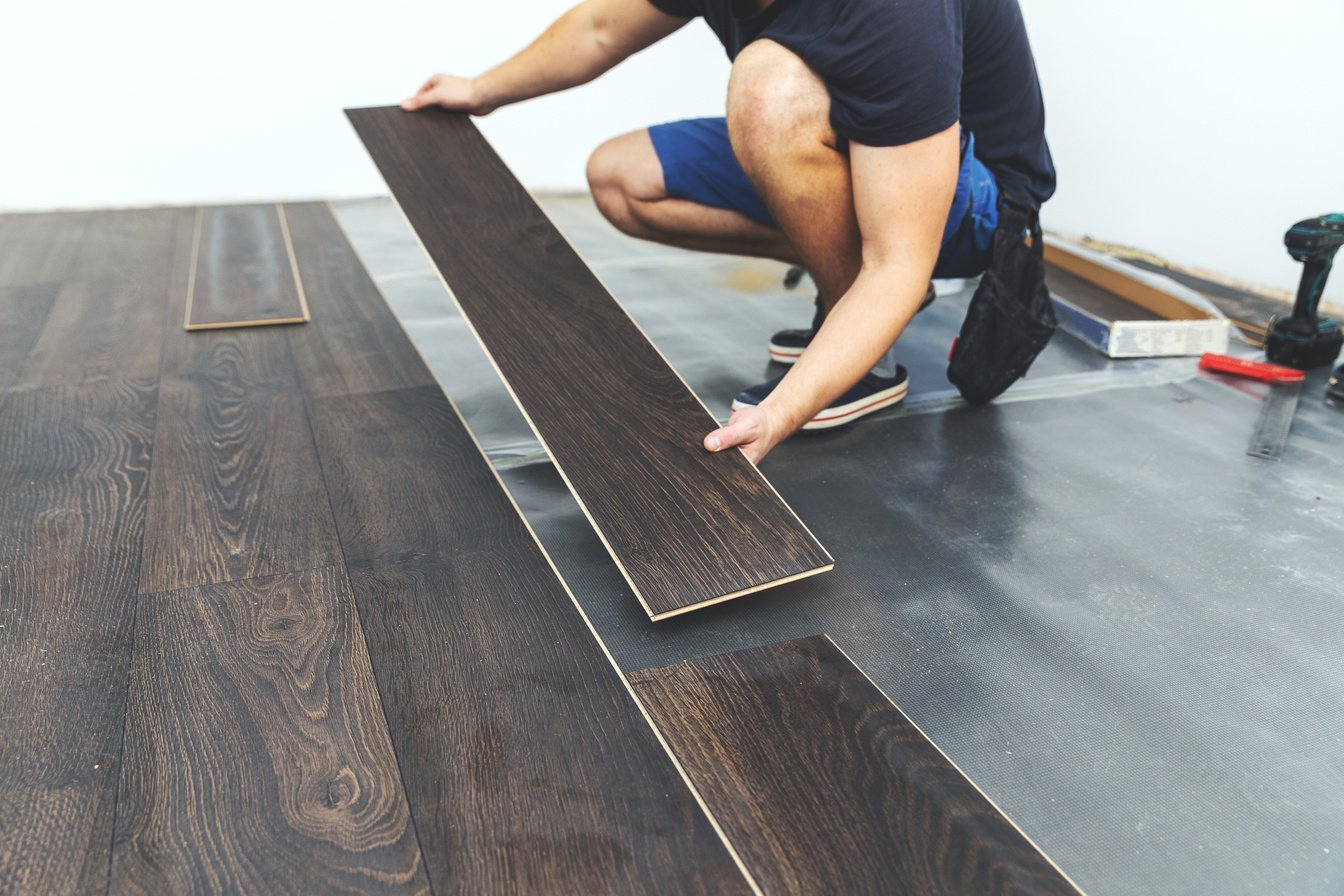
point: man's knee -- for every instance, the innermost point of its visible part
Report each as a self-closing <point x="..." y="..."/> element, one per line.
<point x="621" y="172"/>
<point x="776" y="105"/>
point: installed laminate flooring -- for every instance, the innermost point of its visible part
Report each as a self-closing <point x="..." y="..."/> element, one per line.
<point x="686" y="527"/>
<point x="73" y="490"/>
<point x="77" y="419"/>
<point x="213" y="682"/>
<point x="528" y="766"/>
<point x="256" y="758"/>
<point x="824" y="786"/>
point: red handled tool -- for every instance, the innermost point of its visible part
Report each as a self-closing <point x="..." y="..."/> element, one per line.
<point x="1258" y="370"/>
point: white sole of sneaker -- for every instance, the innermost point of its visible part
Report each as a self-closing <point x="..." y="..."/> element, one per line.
<point x="848" y="413"/>
<point x="784" y="355"/>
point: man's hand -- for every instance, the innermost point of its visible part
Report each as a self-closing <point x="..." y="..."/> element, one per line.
<point x="450" y="92"/>
<point x="753" y="429"/>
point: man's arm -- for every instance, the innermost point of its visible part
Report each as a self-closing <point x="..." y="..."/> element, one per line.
<point x="582" y="44"/>
<point x="902" y="195"/>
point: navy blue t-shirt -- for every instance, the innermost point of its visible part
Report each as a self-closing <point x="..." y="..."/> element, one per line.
<point x="902" y="70"/>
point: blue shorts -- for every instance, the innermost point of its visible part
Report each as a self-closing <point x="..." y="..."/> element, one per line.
<point x="699" y="165"/>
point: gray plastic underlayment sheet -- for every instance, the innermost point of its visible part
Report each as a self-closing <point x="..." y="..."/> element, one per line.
<point x="1126" y="631"/>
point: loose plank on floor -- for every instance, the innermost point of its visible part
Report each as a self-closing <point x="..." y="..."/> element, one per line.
<point x="74" y="474"/>
<point x="244" y="273"/>
<point x="686" y="527"/>
<point x="528" y="766"/>
<point x="824" y="786"/>
<point x="256" y="756"/>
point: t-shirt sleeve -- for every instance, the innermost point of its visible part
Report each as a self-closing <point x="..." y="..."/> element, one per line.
<point x="893" y="68"/>
<point x="682" y="9"/>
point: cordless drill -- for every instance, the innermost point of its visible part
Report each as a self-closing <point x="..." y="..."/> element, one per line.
<point x="1303" y="339"/>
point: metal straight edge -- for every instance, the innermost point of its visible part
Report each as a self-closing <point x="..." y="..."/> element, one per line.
<point x="1276" y="419"/>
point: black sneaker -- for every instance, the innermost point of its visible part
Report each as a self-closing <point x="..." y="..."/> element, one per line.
<point x="787" y="346"/>
<point x="872" y="393"/>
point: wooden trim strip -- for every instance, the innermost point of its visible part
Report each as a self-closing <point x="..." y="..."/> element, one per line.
<point x="687" y="529"/>
<point x="1132" y="288"/>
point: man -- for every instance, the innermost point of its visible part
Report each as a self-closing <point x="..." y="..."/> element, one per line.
<point x="866" y="140"/>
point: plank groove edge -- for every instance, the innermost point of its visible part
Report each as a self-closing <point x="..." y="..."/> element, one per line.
<point x="825" y="786"/>
<point x="686" y="528"/>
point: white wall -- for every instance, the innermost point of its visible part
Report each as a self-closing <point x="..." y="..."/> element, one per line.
<point x="1199" y="129"/>
<point x="148" y="101"/>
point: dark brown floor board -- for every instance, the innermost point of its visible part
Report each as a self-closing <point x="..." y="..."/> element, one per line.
<point x="236" y="491"/>
<point x="106" y="322"/>
<point x="824" y="786"/>
<point x="23" y="314"/>
<point x="528" y="766"/>
<point x="354" y="343"/>
<point x="243" y="273"/>
<point x="74" y="473"/>
<point x="41" y="248"/>
<point x="256" y="755"/>
<point x="687" y="527"/>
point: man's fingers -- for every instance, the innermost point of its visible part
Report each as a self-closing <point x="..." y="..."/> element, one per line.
<point x="423" y="97"/>
<point x="729" y="436"/>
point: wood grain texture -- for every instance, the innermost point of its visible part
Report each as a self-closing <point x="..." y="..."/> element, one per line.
<point x="74" y="474"/>
<point x="243" y="274"/>
<point x="528" y="766"/>
<point x="236" y="491"/>
<point x="824" y="786"/>
<point x="23" y="310"/>
<point x="106" y="323"/>
<point x="354" y="343"/>
<point x="41" y="247"/>
<point x="686" y="527"/>
<point x="256" y="754"/>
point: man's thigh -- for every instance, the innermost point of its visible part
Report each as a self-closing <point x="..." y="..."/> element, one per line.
<point x="699" y="166"/>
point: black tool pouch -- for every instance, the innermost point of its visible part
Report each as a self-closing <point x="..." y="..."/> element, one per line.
<point x="1011" y="317"/>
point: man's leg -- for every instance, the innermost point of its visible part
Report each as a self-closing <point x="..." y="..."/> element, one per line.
<point x="626" y="178"/>
<point x="779" y="123"/>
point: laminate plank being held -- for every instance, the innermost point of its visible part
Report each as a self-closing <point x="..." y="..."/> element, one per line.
<point x="824" y="786"/>
<point x="687" y="528"/>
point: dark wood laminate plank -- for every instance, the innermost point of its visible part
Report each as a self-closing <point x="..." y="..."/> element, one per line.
<point x="107" y="320"/>
<point x="41" y="247"/>
<point x="236" y="491"/>
<point x="528" y="766"/>
<point x="244" y="275"/>
<point x="824" y="786"/>
<point x="256" y="755"/>
<point x="686" y="527"/>
<point x="74" y="474"/>
<point x="23" y="314"/>
<point x="354" y="343"/>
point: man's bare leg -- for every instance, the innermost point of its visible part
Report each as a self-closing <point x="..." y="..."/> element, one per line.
<point x="779" y="124"/>
<point x="626" y="179"/>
